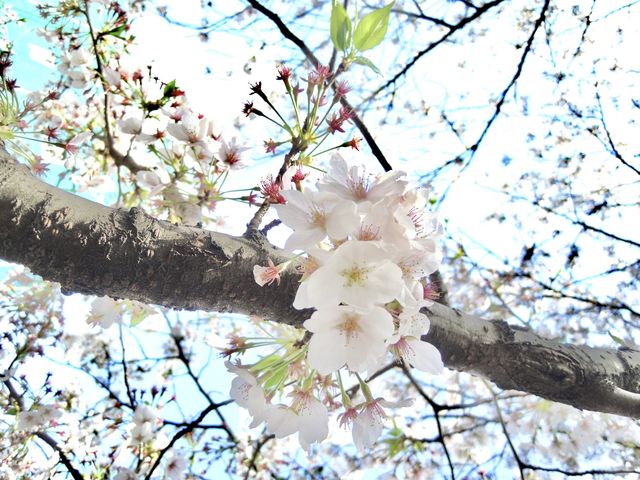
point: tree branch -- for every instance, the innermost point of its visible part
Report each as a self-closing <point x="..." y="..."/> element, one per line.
<point x="97" y="250"/>
<point x="44" y="436"/>
<point x="453" y="29"/>
<point x="289" y="35"/>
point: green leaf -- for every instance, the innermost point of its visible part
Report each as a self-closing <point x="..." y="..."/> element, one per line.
<point x="617" y="339"/>
<point x="265" y="363"/>
<point x="395" y="441"/>
<point x="138" y="317"/>
<point x="138" y="312"/>
<point x="275" y="379"/>
<point x="340" y="27"/>
<point x="372" y="28"/>
<point x="115" y="32"/>
<point x="459" y="253"/>
<point x="367" y="63"/>
<point x="169" y="88"/>
<point x="5" y="133"/>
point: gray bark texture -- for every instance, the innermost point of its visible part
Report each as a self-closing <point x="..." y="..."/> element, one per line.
<point x="96" y="250"/>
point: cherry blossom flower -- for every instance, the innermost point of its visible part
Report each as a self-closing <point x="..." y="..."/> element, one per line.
<point x="151" y="180"/>
<point x="368" y="424"/>
<point x="418" y="228"/>
<point x="407" y="343"/>
<point x="175" y="467"/>
<point x="230" y="153"/>
<point x="347" y="335"/>
<point x="189" y="212"/>
<point x="192" y="129"/>
<point x="377" y="222"/>
<point x="39" y="166"/>
<point x="73" y="146"/>
<point x="353" y="184"/>
<point x="247" y="393"/>
<point x="357" y="273"/>
<point x="79" y="78"/>
<point x="368" y="244"/>
<point x="38" y="417"/>
<point x="306" y="415"/>
<point x="144" y="419"/>
<point x="266" y="275"/>
<point x="104" y="312"/>
<point x="415" y="265"/>
<point x="314" y="216"/>
<point x="112" y="77"/>
<point x="79" y="56"/>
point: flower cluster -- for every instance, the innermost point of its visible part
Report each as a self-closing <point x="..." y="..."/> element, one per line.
<point x="316" y="119"/>
<point x="38" y="417"/>
<point x="144" y="423"/>
<point x="368" y="244"/>
<point x="372" y="243"/>
<point x="125" y="115"/>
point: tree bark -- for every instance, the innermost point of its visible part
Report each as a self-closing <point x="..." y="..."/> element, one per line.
<point x="96" y="250"/>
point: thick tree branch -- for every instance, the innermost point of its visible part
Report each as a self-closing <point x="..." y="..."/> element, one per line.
<point x="93" y="249"/>
<point x="518" y="359"/>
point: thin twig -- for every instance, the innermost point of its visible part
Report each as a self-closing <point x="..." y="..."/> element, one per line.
<point x="437" y="408"/>
<point x="512" y="447"/>
<point x="124" y="371"/>
<point x="181" y="433"/>
<point x="458" y="26"/>
<point x="118" y="157"/>
<point x="256" y="452"/>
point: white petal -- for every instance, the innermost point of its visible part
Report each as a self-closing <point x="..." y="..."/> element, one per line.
<point x="148" y="179"/>
<point x="304" y="239"/>
<point x="177" y="131"/>
<point x="324" y="355"/>
<point x="326" y="319"/>
<point x="413" y="324"/>
<point x="342" y="220"/>
<point x="366" y="430"/>
<point x="130" y="125"/>
<point x="292" y="214"/>
<point x="325" y="287"/>
<point x="314" y="421"/>
<point x="282" y="421"/>
<point x="399" y="404"/>
<point x="302" y="299"/>
<point x="239" y="391"/>
<point x="424" y="357"/>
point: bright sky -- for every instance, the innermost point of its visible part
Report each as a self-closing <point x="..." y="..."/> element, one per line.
<point x="179" y="53"/>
